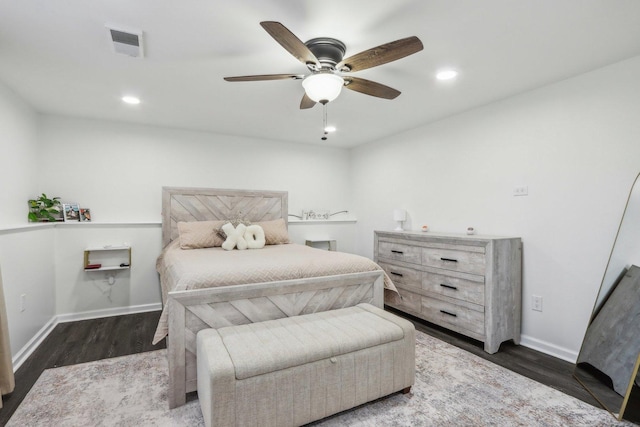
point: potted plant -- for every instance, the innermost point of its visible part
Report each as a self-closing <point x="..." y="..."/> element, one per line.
<point x="44" y="209"/>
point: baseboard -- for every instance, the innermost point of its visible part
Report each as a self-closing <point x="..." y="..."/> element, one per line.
<point x="33" y="343"/>
<point x="108" y="312"/>
<point x="548" y="348"/>
<point x="26" y="351"/>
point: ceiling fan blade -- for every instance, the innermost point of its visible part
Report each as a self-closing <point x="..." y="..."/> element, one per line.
<point x="382" y="54"/>
<point x="264" y="77"/>
<point x="290" y="42"/>
<point x="306" y="102"/>
<point x="370" y="88"/>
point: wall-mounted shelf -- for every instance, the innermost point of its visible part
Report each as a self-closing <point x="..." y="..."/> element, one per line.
<point x="322" y="221"/>
<point x="108" y="257"/>
<point x="328" y="244"/>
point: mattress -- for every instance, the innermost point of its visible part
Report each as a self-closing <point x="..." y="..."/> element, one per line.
<point x="181" y="269"/>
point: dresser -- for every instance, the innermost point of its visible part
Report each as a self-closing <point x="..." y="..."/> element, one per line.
<point x="469" y="284"/>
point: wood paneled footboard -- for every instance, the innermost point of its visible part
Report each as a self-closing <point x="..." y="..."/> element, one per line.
<point x="193" y="310"/>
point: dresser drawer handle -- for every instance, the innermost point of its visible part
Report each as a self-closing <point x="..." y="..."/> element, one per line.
<point x="396" y="274"/>
<point x="449" y="259"/>
<point x="448" y="286"/>
<point x="450" y="314"/>
<point x="397" y="252"/>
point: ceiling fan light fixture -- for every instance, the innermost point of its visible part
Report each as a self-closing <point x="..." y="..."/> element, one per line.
<point x="323" y="87"/>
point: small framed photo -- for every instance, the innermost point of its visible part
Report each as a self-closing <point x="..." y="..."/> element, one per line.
<point x="71" y="211"/>
<point x="85" y="215"/>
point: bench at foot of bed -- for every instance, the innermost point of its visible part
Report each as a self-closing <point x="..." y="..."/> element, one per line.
<point x="299" y="369"/>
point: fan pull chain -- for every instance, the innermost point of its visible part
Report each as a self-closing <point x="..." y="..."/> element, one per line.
<point x="324" y="121"/>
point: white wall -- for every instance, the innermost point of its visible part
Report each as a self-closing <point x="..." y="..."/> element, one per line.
<point x="26" y="256"/>
<point x="18" y="157"/>
<point x="575" y="144"/>
<point x="118" y="171"/>
<point x="79" y="291"/>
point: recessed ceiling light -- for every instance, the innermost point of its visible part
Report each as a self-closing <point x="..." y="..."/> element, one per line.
<point x="131" y="100"/>
<point x="330" y="129"/>
<point x="446" y="74"/>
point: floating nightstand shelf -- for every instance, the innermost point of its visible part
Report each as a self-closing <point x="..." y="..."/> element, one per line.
<point x="328" y="244"/>
<point x="107" y="258"/>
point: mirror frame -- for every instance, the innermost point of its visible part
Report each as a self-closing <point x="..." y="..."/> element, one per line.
<point x="598" y="304"/>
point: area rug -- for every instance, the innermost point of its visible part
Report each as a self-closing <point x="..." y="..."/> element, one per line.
<point x="453" y="388"/>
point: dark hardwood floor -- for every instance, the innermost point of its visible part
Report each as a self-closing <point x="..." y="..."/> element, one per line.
<point x="83" y="341"/>
<point x="89" y="340"/>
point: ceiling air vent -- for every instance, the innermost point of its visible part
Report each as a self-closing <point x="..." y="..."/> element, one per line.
<point x="126" y="42"/>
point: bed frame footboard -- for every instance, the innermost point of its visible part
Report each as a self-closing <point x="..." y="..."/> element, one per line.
<point x="193" y="310"/>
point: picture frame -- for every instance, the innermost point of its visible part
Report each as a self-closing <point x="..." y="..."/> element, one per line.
<point x="85" y="215"/>
<point x="71" y="211"/>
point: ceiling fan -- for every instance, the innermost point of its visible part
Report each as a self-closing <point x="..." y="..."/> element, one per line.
<point x="324" y="58"/>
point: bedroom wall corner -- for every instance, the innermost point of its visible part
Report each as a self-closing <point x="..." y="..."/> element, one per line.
<point x="86" y="292"/>
<point x="573" y="143"/>
<point x="28" y="275"/>
<point x="26" y="252"/>
<point x="19" y="127"/>
<point x="119" y="169"/>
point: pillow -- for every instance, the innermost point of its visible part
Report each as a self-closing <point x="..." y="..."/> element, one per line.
<point x="235" y="237"/>
<point x="199" y="234"/>
<point x="275" y="232"/>
<point x="254" y="237"/>
<point x="235" y="222"/>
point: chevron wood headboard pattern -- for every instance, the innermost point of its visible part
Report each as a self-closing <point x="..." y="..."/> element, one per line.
<point x="209" y="204"/>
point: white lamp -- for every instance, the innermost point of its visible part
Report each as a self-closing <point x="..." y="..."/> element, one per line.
<point x="323" y="87"/>
<point x="399" y="215"/>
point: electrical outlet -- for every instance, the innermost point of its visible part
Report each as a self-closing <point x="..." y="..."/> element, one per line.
<point x="521" y="190"/>
<point x="23" y="302"/>
<point x="536" y="303"/>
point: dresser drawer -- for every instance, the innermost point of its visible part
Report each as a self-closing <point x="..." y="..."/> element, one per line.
<point x="405" y="301"/>
<point x="455" y="260"/>
<point x="399" y="252"/>
<point x="448" y="314"/>
<point x="403" y="275"/>
<point x="466" y="287"/>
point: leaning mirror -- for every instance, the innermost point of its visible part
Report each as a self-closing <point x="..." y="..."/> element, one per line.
<point x="609" y="358"/>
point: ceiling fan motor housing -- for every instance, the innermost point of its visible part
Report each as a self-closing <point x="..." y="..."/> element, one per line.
<point x="328" y="51"/>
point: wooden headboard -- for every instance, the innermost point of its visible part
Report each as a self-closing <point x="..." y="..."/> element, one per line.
<point x="209" y="204"/>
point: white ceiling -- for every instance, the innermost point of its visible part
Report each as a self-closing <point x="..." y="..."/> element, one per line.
<point x="56" y="54"/>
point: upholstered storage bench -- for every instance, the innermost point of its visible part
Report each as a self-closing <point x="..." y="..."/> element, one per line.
<point x="295" y="370"/>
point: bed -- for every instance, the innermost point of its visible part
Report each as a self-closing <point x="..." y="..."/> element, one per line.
<point x="212" y="288"/>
